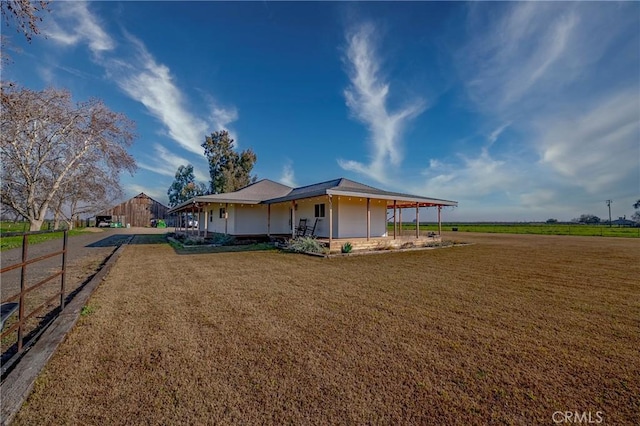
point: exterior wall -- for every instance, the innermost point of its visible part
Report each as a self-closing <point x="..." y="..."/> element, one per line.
<point x="306" y="210"/>
<point x="280" y="223"/>
<point x="250" y="219"/>
<point x="352" y="217"/>
<point x="214" y="222"/>
<point x="138" y="211"/>
<point x="349" y="218"/>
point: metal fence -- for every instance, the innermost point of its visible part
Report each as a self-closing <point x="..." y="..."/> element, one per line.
<point x="17" y="302"/>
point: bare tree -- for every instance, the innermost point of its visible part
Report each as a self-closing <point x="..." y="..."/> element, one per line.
<point x="24" y="15"/>
<point x="51" y="146"/>
<point x="88" y="192"/>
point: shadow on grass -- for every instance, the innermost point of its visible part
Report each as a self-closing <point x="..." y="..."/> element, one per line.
<point x="111" y="241"/>
<point x="182" y="250"/>
<point x="117" y="240"/>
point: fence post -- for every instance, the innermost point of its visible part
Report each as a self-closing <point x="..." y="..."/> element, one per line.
<point x="64" y="269"/>
<point x="23" y="278"/>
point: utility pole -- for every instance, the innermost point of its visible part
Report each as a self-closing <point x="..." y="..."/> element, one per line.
<point x="609" y="205"/>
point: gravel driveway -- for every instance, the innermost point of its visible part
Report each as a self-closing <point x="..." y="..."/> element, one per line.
<point x="85" y="254"/>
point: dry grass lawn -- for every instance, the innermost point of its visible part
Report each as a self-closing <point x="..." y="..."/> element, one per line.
<point x="507" y="331"/>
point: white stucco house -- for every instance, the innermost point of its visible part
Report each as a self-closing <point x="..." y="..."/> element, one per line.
<point x="337" y="209"/>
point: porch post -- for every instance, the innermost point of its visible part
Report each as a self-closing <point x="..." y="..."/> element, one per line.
<point x="368" y="218"/>
<point x="293" y="219"/>
<point x="395" y="219"/>
<point x="199" y="224"/>
<point x="330" y="221"/>
<point x="226" y="218"/>
<point x="268" y="220"/>
<point x="206" y="222"/>
<point x="417" y="220"/>
<point x="400" y="220"/>
<point x="439" y="222"/>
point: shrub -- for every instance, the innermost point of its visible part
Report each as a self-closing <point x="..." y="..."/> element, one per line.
<point x="305" y="245"/>
<point x="194" y="241"/>
<point x="346" y="247"/>
<point x="222" y="239"/>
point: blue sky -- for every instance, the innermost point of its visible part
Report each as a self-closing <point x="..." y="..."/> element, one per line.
<point x="517" y="110"/>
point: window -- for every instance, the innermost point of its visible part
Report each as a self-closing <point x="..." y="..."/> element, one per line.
<point x="223" y="213"/>
<point x="319" y="210"/>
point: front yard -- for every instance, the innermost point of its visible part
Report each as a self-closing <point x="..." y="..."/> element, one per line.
<point x="508" y="330"/>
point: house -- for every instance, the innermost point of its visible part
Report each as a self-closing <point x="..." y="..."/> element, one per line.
<point x="338" y="209"/>
<point x="137" y="211"/>
<point x="623" y="222"/>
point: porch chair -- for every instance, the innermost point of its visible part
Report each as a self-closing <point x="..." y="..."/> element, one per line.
<point x="302" y="228"/>
<point x="311" y="231"/>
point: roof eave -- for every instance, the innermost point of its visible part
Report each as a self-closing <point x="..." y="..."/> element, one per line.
<point x="394" y="197"/>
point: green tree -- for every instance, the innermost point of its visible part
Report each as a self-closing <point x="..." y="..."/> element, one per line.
<point x="636" y="215"/>
<point x="229" y="170"/>
<point x="184" y="186"/>
<point x="588" y="219"/>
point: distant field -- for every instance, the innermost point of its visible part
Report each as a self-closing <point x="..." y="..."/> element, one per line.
<point x="534" y="228"/>
<point x="507" y="330"/>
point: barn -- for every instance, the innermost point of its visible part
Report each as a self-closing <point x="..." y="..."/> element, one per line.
<point x="140" y="210"/>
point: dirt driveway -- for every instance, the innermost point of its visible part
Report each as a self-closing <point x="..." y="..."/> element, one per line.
<point x="508" y="330"/>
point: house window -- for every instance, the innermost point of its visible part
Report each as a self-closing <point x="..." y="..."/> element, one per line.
<point x="223" y="213"/>
<point x="319" y="210"/>
<point x="210" y="217"/>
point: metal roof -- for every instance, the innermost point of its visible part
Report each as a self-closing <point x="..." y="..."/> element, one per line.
<point x="348" y="187"/>
<point x="269" y="192"/>
<point x="251" y="194"/>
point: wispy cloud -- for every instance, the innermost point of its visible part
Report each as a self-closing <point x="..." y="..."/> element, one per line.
<point x="221" y="117"/>
<point x="470" y="176"/>
<point x="595" y="148"/>
<point x="367" y="98"/>
<point x="75" y="24"/>
<point x="493" y="136"/>
<point x="138" y="74"/>
<point x="288" y="176"/>
<point x="560" y="77"/>
<point x="152" y="84"/>
<point x="166" y="163"/>
<point x="522" y="56"/>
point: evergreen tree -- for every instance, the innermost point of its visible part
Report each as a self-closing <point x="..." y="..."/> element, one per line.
<point x="184" y="186"/>
<point x="229" y="170"/>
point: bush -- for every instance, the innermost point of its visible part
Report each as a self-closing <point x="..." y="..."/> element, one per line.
<point x="305" y="245"/>
<point x="222" y="239"/>
<point x="194" y="241"/>
<point x="346" y="247"/>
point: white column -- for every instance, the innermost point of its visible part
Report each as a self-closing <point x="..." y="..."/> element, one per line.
<point x="330" y="221"/>
<point x="417" y="220"/>
<point x="368" y="218"/>
<point x="293" y="219"/>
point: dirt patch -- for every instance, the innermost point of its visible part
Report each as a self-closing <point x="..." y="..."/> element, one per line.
<point x="507" y="330"/>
